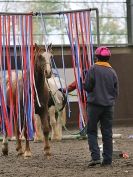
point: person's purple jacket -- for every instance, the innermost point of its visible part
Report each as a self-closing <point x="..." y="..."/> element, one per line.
<point x="101" y="84"/>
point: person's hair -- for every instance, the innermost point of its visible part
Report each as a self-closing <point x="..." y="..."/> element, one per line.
<point x="103" y="58"/>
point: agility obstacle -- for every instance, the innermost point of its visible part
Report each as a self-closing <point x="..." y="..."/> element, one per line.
<point x="16" y="30"/>
<point x="78" y="27"/>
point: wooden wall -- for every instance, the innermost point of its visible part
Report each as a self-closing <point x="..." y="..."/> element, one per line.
<point x="122" y="61"/>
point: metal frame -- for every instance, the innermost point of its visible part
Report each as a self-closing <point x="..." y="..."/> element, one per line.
<point x="130" y="21"/>
<point x="59" y="13"/>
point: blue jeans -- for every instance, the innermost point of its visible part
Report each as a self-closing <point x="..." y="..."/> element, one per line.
<point x="104" y="115"/>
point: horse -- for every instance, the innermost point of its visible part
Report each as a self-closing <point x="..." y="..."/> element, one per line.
<point x="56" y="109"/>
<point x="42" y="70"/>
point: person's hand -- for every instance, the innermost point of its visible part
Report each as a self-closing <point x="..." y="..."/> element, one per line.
<point x="62" y="90"/>
<point x="85" y="72"/>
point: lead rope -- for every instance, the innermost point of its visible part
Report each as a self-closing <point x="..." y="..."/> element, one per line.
<point x="36" y="92"/>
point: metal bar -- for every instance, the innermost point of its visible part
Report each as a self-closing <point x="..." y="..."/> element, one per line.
<point x="130" y="21"/>
<point x="42" y="1"/>
<point x="92" y="17"/>
<point x="13" y="13"/>
<point x="98" y="32"/>
<point x="63" y="12"/>
<point x="48" y="13"/>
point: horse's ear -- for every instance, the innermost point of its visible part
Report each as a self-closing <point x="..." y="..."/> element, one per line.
<point x="36" y="47"/>
<point x="50" y="47"/>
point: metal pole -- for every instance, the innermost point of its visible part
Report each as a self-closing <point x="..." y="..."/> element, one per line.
<point x="13" y="13"/>
<point x="47" y="13"/>
<point x="98" y="32"/>
<point x="63" y="12"/>
<point x="130" y="21"/>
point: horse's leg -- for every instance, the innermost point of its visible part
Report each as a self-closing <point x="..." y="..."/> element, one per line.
<point x="27" y="151"/>
<point x="18" y="140"/>
<point x="46" y="130"/>
<point x="5" y="145"/>
<point x="59" y="125"/>
<point x="38" y="134"/>
<point x="5" y="138"/>
<point x="53" y="123"/>
<point x="60" y="122"/>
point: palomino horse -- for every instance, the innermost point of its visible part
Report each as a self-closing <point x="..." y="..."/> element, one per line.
<point x="42" y="69"/>
<point x="57" y="112"/>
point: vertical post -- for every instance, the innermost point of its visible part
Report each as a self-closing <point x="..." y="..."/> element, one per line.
<point x="97" y="21"/>
<point x="130" y="21"/>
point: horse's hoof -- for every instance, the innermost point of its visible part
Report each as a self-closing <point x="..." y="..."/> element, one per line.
<point x="27" y="154"/>
<point x="13" y="138"/>
<point x="47" y="154"/>
<point x="48" y="157"/>
<point x="5" y="149"/>
<point x="4" y="152"/>
<point x="20" y="152"/>
<point x="56" y="138"/>
<point x="38" y="140"/>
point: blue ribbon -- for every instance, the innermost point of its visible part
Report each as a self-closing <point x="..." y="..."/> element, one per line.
<point x="16" y="70"/>
<point x="30" y="106"/>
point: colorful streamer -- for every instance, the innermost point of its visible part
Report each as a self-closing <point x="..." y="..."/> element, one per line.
<point x="79" y="33"/>
<point x="16" y="74"/>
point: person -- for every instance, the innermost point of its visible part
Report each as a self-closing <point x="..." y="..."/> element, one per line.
<point x="71" y="87"/>
<point x="102" y="87"/>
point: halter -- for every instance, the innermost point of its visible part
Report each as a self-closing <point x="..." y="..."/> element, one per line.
<point x="37" y="53"/>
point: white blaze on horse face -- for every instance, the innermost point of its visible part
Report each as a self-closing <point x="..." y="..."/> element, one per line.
<point x="47" y="56"/>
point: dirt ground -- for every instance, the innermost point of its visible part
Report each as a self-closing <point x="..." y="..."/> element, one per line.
<point x="69" y="159"/>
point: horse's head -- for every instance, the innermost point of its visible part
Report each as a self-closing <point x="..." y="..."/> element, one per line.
<point x="43" y="59"/>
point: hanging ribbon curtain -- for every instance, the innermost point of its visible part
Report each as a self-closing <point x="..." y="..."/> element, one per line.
<point x="16" y="30"/>
<point x="16" y="73"/>
<point x="79" y="33"/>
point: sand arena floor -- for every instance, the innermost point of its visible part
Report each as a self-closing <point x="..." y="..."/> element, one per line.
<point x="69" y="159"/>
